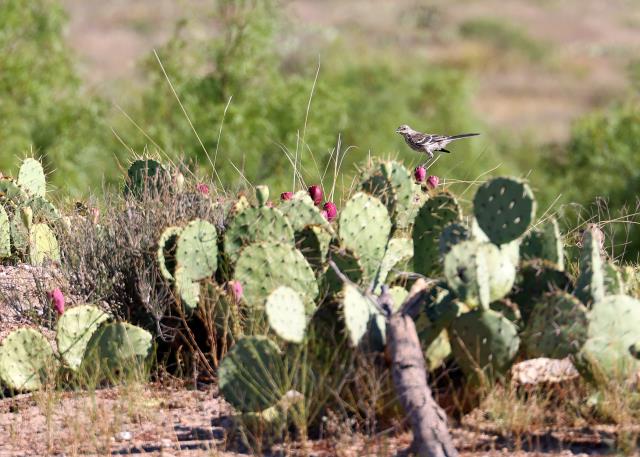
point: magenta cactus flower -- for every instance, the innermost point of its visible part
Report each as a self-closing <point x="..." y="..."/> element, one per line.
<point x="57" y="299"/>
<point x="235" y="289"/>
<point x="433" y="181"/>
<point x="420" y="173"/>
<point x="202" y="188"/>
<point x="284" y="196"/>
<point x="315" y="192"/>
<point x="331" y="210"/>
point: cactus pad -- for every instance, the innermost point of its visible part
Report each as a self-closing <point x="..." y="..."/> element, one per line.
<point x="557" y="327"/>
<point x="365" y="228"/>
<point x="5" y="234"/>
<point x="166" y="252"/>
<point x="254" y="225"/>
<point x="262" y="267"/>
<point x="301" y="212"/>
<point x="74" y="330"/>
<point x="286" y="313"/>
<point x="314" y="241"/>
<point x="43" y="244"/>
<point x="187" y="289"/>
<point x="399" y="251"/>
<point x="544" y="243"/>
<point x="10" y="190"/>
<point x="348" y="263"/>
<point x="486" y="341"/>
<point x="357" y="312"/>
<point x="433" y="216"/>
<point x="504" y="209"/>
<point x="451" y="235"/>
<point x="25" y="357"/>
<point x="197" y="250"/>
<point x="251" y="374"/>
<point x="613" y="283"/>
<point x="116" y="347"/>
<point x="145" y="177"/>
<point x="31" y="178"/>
<point x="262" y="195"/>
<point x="590" y="286"/>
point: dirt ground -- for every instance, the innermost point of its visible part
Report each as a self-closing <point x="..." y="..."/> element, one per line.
<point x="155" y="421"/>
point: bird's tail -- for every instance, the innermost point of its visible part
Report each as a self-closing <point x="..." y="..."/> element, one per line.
<point x="463" y="135"/>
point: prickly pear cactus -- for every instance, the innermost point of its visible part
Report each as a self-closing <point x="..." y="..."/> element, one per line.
<point x="348" y="263"/>
<point x="251" y="375"/>
<point x="116" y="348"/>
<point x="557" y="327"/>
<point x="262" y="195"/>
<point x="166" y="252"/>
<point x="365" y="228"/>
<point x="287" y="314"/>
<point x="74" y="330"/>
<point x="145" y="177"/>
<point x="301" y="212"/>
<point x="544" y="243"/>
<point x="432" y="218"/>
<point x="43" y="244"/>
<point x="613" y="330"/>
<point x="31" y="178"/>
<point x="197" y="250"/>
<point x="484" y="343"/>
<point x="508" y="309"/>
<point x="357" y="312"/>
<point x="11" y="191"/>
<point x="590" y="286"/>
<point x="25" y="358"/>
<point x="314" y="242"/>
<point x="613" y="283"/>
<point x="399" y="251"/>
<point x="254" y="225"/>
<point x="43" y="210"/>
<point x="451" y="235"/>
<point x="504" y="209"/>
<point x="262" y="267"/>
<point x="5" y="234"/>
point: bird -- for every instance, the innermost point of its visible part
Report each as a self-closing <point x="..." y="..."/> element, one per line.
<point x="429" y="142"/>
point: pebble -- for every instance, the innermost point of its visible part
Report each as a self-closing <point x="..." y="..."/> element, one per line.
<point x="123" y="436"/>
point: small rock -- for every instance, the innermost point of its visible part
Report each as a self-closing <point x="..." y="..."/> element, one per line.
<point x="543" y="371"/>
<point x="166" y="443"/>
<point x="124" y="436"/>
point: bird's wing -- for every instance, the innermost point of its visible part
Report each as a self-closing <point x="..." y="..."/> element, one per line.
<point x="421" y="138"/>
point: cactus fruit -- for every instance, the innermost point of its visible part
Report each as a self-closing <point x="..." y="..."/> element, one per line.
<point x="31" y="178"/>
<point x="451" y="235"/>
<point x="286" y="314"/>
<point x="254" y="225"/>
<point x="166" y="252"/>
<point x="365" y="228"/>
<point x="251" y="374"/>
<point x="202" y="188"/>
<point x="235" y="290"/>
<point x="145" y="177"/>
<point x="420" y="173"/>
<point x="117" y="347"/>
<point x="484" y="343"/>
<point x="504" y="209"/>
<point x="544" y="243"/>
<point x="284" y="196"/>
<point x="433" y="181"/>
<point x="262" y="195"/>
<point x="74" y="330"/>
<point x="433" y="216"/>
<point x="331" y="210"/>
<point x="262" y="267"/>
<point x="25" y="357"/>
<point x="5" y="234"/>
<point x="557" y="327"/>
<point x="57" y="300"/>
<point x="357" y="312"/>
<point x="43" y="244"/>
<point x="315" y="192"/>
<point x="590" y="285"/>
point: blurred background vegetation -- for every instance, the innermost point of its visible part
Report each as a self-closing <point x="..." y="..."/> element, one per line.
<point x="553" y="93"/>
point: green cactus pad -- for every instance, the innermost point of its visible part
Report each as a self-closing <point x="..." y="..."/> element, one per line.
<point x="442" y="307"/>
<point x="197" y="250"/>
<point x="74" y="330"/>
<point x="535" y="279"/>
<point x="166" y="252"/>
<point x="486" y="341"/>
<point x="348" y="263"/>
<point x="43" y="244"/>
<point x="117" y="347"/>
<point x="357" y="312"/>
<point x="557" y="327"/>
<point x="5" y="234"/>
<point x="613" y="283"/>
<point x="544" y="243"/>
<point x="187" y="289"/>
<point x="590" y="286"/>
<point x="43" y="210"/>
<point x="251" y="374"/>
<point x="432" y="218"/>
<point x="255" y="225"/>
<point x="11" y="191"/>
<point x="19" y="234"/>
<point x="399" y="251"/>
<point x="262" y="195"/>
<point x="286" y="314"/>
<point x="301" y="212"/>
<point x="25" y="358"/>
<point x="479" y="273"/>
<point x="504" y="209"/>
<point x="613" y="330"/>
<point x="31" y="178"/>
<point x="508" y="309"/>
<point x="365" y="228"/>
<point x="451" y="235"/>
<point x="262" y="267"/>
<point x="145" y="177"/>
<point x="314" y="241"/>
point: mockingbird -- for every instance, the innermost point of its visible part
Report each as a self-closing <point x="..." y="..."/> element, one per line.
<point x="428" y="142"/>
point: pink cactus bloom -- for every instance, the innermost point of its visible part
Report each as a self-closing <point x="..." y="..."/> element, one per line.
<point x="57" y="299"/>
<point x="331" y="210"/>
<point x="420" y="173"/>
<point x="202" y="188"/>
<point x="235" y="289"/>
<point x="284" y="196"/>
<point x="315" y="192"/>
<point x="433" y="181"/>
